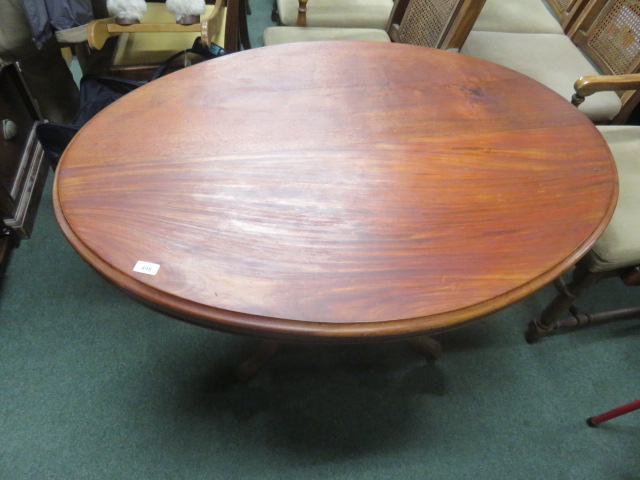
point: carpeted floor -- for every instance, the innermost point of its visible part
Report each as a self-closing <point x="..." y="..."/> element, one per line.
<point x="95" y="386"/>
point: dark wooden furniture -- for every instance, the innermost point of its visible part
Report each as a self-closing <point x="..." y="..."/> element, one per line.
<point x="566" y="11"/>
<point x="22" y="168"/>
<point x="335" y="192"/>
<point x="616" y="253"/>
<point x="608" y="33"/>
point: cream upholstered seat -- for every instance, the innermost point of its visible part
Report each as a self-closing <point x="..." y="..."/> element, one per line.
<point x="619" y="245"/>
<point x="551" y="59"/>
<point x="617" y="250"/>
<point x="277" y="35"/>
<point x="432" y="23"/>
<point x="517" y="16"/>
<point x="337" y="13"/>
<point x="605" y="42"/>
<point x="529" y="16"/>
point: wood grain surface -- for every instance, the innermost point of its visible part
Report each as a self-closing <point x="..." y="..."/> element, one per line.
<point x="336" y="191"/>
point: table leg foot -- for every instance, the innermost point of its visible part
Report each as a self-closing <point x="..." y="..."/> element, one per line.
<point x="428" y="347"/>
<point x="537" y="330"/>
<point x="250" y="367"/>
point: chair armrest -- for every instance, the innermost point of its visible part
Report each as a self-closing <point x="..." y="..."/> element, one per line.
<point x="590" y="84"/>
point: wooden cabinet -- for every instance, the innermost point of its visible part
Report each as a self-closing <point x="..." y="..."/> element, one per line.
<point x="23" y="169"/>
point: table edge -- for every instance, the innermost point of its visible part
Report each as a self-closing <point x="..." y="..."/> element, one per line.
<point x="317" y="332"/>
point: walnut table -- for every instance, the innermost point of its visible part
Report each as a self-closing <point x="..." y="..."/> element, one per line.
<point x="336" y="192"/>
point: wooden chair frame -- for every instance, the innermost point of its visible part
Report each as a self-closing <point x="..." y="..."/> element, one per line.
<point x="457" y="31"/>
<point x="626" y="83"/>
<point x="301" y="21"/>
<point x="236" y="29"/>
<point x="566" y="11"/>
<point x="551" y="320"/>
<point x="629" y="84"/>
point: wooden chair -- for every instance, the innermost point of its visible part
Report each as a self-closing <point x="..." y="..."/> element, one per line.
<point x="566" y="11"/>
<point x="442" y="24"/>
<point x="141" y="47"/>
<point x="332" y="13"/>
<point x="608" y="32"/>
<point x="607" y="39"/>
<point x="223" y="24"/>
<point x="615" y="254"/>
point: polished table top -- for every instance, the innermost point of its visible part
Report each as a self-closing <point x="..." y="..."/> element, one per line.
<point x="335" y="191"/>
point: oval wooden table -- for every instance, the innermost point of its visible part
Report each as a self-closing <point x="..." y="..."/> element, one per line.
<point x="337" y="192"/>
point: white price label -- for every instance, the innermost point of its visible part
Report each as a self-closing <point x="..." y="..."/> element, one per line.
<point x="146" y="267"/>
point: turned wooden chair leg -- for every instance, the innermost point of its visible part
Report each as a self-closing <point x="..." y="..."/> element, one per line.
<point x="547" y="322"/>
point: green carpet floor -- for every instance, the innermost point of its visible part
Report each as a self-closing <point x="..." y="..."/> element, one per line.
<point x="95" y="386"/>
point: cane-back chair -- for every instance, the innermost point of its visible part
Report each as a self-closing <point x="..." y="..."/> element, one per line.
<point x="442" y="24"/>
<point x="559" y="6"/>
<point x="332" y="13"/>
<point x="566" y="11"/>
<point x="608" y="32"/>
<point x="615" y="254"/>
<point x="603" y="45"/>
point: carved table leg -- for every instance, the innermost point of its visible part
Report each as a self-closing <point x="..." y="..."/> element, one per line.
<point x="258" y="359"/>
<point x="428" y="347"/>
